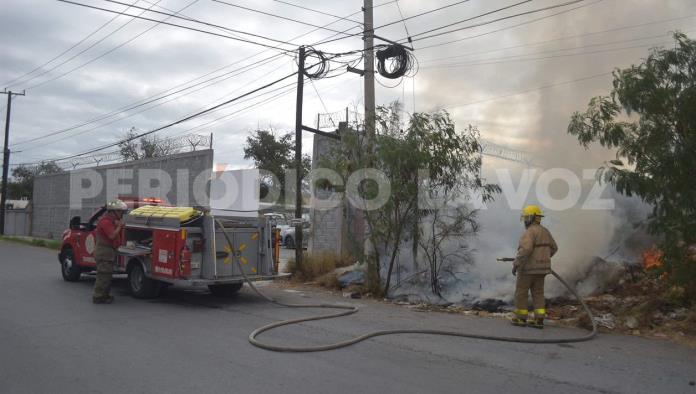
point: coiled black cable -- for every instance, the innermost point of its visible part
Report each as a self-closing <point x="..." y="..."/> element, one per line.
<point x="321" y="68"/>
<point x="401" y="61"/>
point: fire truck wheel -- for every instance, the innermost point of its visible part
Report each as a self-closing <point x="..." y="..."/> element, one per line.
<point x="141" y="286"/>
<point x="70" y="271"/>
<point x="289" y="242"/>
<point x="225" y="290"/>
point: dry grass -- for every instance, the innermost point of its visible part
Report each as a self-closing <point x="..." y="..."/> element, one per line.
<point x="330" y="281"/>
<point x="43" y="243"/>
<point x="319" y="267"/>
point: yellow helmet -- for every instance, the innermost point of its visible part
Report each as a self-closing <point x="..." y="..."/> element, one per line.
<point x="530" y="210"/>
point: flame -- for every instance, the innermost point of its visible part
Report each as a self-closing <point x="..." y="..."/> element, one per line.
<point x="652" y="258"/>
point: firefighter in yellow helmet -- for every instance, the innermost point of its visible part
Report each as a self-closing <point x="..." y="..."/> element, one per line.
<point x="532" y="264"/>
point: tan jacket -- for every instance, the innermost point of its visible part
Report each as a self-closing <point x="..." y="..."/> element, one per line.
<point x="535" y="250"/>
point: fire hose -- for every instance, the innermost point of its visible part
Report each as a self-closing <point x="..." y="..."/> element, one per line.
<point x="346" y="310"/>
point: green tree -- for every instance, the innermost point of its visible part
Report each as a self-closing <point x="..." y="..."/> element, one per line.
<point x="22" y="182"/>
<point x="650" y="119"/>
<point x="427" y="157"/>
<point x="274" y="154"/>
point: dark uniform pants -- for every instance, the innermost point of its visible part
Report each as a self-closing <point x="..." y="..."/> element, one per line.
<point x="105" y="257"/>
<point x="525" y="283"/>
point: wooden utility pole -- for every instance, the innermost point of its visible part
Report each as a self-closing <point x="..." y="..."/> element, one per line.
<point x="369" y="79"/>
<point x="298" y="157"/>
<point x="369" y="87"/>
<point x="6" y="159"/>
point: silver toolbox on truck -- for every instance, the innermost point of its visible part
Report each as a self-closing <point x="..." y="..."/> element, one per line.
<point x="251" y="247"/>
<point x="195" y="251"/>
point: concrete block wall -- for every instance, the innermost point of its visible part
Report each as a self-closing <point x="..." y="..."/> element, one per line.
<point x="51" y="199"/>
<point x="17" y="222"/>
<point x="340" y="230"/>
<point x="327" y="228"/>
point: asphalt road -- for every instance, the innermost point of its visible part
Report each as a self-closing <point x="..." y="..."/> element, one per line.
<point x="53" y="339"/>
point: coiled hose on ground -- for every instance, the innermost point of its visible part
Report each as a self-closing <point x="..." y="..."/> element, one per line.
<point x="346" y="310"/>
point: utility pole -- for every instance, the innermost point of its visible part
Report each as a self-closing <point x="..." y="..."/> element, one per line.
<point x="298" y="157"/>
<point x="368" y="38"/>
<point x="369" y="87"/>
<point x="6" y="159"/>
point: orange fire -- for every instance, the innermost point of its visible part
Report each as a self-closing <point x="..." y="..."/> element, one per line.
<point x="652" y="258"/>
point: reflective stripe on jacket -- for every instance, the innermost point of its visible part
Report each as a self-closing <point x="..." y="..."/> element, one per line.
<point x="535" y="250"/>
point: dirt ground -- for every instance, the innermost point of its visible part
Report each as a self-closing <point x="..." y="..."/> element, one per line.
<point x="637" y="304"/>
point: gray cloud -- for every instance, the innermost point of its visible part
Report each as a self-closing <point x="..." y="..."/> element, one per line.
<point x="32" y="31"/>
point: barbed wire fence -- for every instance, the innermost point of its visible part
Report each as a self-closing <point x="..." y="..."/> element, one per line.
<point x="178" y="144"/>
<point x="330" y="120"/>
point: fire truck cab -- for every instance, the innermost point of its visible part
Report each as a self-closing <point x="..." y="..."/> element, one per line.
<point x="164" y="245"/>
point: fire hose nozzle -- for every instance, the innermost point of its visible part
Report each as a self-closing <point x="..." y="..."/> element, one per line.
<point x="505" y="259"/>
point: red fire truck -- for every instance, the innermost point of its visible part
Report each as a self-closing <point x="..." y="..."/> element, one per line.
<point x="164" y="245"/>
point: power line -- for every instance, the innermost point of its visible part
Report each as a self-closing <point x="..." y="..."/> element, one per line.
<point x="88" y="36"/>
<point x="215" y="110"/>
<point x="176" y="25"/>
<point x="382" y="4"/>
<point x="255" y="105"/>
<point x="320" y="99"/>
<point x="564" y="38"/>
<point x="136" y="113"/>
<point x="512" y="26"/>
<point x="493" y="20"/>
<point x="153" y="97"/>
<point x="486" y="62"/>
<point x="181" y="14"/>
<point x="227" y="116"/>
<point x="547" y="51"/>
<point x="507" y="7"/>
<point x="587" y="78"/>
<point x="182" y="133"/>
<point x="401" y="14"/>
<point x="131" y="115"/>
<point x="277" y="16"/>
<point x="208" y="110"/>
<point x="169" y="15"/>
<point x="185" y="119"/>
<point x="95" y="43"/>
<point x="107" y="52"/>
<point x="319" y="12"/>
<point x="331" y="39"/>
<point x="420" y="14"/>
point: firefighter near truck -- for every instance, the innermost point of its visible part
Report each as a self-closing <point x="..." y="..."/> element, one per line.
<point x="185" y="246"/>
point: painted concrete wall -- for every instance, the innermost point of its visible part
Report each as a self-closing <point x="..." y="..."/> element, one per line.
<point x="53" y="206"/>
<point x="17" y="222"/>
<point x="327" y="225"/>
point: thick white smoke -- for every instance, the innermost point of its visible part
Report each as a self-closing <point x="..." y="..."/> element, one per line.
<point x="583" y="235"/>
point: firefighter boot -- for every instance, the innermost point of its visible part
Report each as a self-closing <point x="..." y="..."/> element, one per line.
<point x="520" y="318"/>
<point x="103" y="300"/>
<point x="538" y="321"/>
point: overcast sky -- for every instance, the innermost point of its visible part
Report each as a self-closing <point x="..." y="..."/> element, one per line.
<point x="519" y="85"/>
